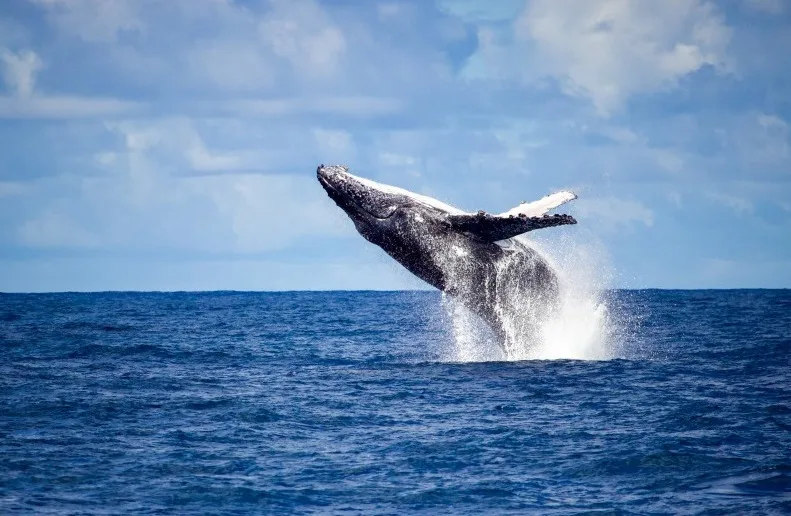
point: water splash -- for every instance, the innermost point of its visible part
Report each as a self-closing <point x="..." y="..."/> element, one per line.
<point x="583" y="327"/>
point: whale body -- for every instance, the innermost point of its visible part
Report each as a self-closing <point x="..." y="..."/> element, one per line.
<point x="472" y="257"/>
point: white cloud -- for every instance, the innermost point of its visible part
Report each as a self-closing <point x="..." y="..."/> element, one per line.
<point x="64" y="107"/>
<point x="226" y="45"/>
<point x="95" y="20"/>
<point x="141" y="199"/>
<point x="19" y="71"/>
<point x="759" y="143"/>
<point x="51" y="229"/>
<point x="186" y="146"/>
<point x="360" y="106"/>
<point x="610" y="50"/>
<point x="178" y="138"/>
<point x="476" y="11"/>
<point x="388" y="10"/>
<point x="273" y="212"/>
<point x="302" y="33"/>
<point x="611" y="213"/>
<point x="737" y="204"/>
<point x="773" y="139"/>
<point x="393" y="159"/>
<point x="234" y="65"/>
<point x="335" y="146"/>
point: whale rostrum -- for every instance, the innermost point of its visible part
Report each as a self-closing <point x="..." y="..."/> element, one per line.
<point x="472" y="257"/>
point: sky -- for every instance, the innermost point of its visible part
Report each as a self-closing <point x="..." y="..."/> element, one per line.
<point x="172" y="145"/>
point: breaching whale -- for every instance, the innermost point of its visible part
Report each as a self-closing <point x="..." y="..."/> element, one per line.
<point x="472" y="257"/>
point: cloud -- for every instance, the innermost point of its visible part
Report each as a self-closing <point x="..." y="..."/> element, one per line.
<point x="358" y="106"/>
<point x="611" y="50"/>
<point x="198" y="146"/>
<point x="175" y="138"/>
<point x="51" y="229"/>
<point x="251" y="53"/>
<point x="772" y="139"/>
<point x="198" y="49"/>
<point x="610" y="214"/>
<point x="232" y="65"/>
<point x="98" y="21"/>
<point x="137" y="198"/>
<point x="301" y="33"/>
<point x="739" y="205"/>
<point x="19" y="73"/>
<point x="65" y="107"/>
<point x="335" y="146"/>
<point x="475" y="11"/>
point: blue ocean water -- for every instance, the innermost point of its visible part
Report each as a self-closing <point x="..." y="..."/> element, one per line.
<point x="347" y="403"/>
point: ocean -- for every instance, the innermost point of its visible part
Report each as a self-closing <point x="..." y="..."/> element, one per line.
<point x="387" y="403"/>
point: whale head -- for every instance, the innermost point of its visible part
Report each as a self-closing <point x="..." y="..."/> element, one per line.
<point x="361" y="199"/>
<point x="374" y="208"/>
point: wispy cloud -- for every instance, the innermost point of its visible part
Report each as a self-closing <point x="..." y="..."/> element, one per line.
<point x="139" y="199"/>
<point x="65" y="107"/>
<point x="739" y="205"/>
<point x="611" y="213"/>
<point x="361" y="106"/>
<point x="19" y="73"/>
<point x="56" y="230"/>
<point x="608" y="51"/>
<point x="98" y="21"/>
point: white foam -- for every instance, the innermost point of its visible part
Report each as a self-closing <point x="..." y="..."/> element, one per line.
<point x="582" y="328"/>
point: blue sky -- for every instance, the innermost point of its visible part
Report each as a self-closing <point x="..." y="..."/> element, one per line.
<point x="152" y="145"/>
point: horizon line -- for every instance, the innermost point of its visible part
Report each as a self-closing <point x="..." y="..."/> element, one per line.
<point x="383" y="291"/>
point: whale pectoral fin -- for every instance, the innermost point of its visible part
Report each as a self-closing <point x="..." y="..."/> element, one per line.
<point x="492" y="228"/>
<point x="541" y="206"/>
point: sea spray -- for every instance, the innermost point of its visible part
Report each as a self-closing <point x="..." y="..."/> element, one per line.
<point x="580" y="326"/>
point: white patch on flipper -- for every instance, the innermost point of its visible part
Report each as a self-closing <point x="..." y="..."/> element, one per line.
<point x="541" y="206"/>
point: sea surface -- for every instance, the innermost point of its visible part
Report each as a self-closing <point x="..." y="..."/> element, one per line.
<point x="364" y="403"/>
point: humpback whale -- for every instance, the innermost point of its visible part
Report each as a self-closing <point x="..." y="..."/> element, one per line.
<point x="472" y="257"/>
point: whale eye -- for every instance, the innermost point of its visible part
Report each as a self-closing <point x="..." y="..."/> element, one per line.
<point x="387" y="211"/>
